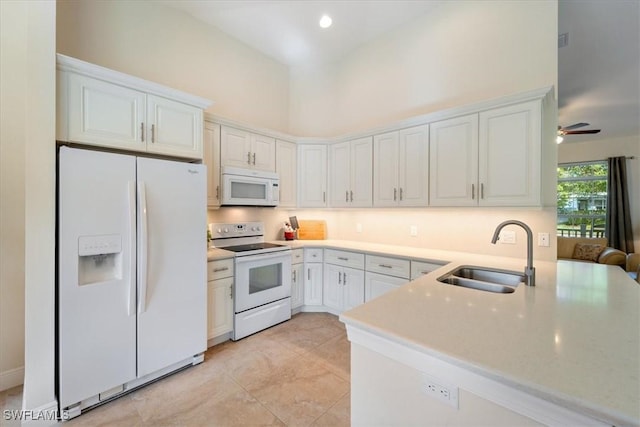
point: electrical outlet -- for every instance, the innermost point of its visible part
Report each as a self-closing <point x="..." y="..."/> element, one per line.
<point x="543" y="239"/>
<point x="358" y="228"/>
<point x="439" y="390"/>
<point x="413" y="230"/>
<point x="508" y="237"/>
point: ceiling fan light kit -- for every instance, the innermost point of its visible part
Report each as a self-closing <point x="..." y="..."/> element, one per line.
<point x="569" y="130"/>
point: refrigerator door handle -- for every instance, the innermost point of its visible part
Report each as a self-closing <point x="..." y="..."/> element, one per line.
<point x="142" y="246"/>
<point x="131" y="188"/>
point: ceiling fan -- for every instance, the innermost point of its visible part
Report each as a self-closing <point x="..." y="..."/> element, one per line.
<point x="569" y="130"/>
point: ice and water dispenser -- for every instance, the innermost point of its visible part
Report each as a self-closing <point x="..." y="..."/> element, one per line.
<point x="99" y="258"/>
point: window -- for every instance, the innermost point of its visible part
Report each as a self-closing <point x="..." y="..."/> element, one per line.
<point x="582" y="199"/>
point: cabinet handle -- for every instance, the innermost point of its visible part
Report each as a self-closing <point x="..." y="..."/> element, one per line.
<point x="254" y="158"/>
<point x="351" y="196"/>
<point x="231" y="291"/>
<point x="400" y="194"/>
<point x="308" y="273"/>
<point x="324" y="197"/>
<point x="346" y="196"/>
<point x="153" y="133"/>
<point x="249" y="157"/>
<point x="341" y="258"/>
<point x="294" y="275"/>
<point x="339" y="278"/>
<point x="217" y="192"/>
<point x="216" y="270"/>
<point x="142" y="131"/>
<point x="425" y="272"/>
<point x="473" y="191"/>
<point x="482" y="190"/>
<point x="395" y="193"/>
<point x="344" y="279"/>
<point x="385" y="266"/>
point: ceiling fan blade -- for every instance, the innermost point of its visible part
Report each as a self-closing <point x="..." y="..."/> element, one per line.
<point x="581" y="132"/>
<point x="575" y="126"/>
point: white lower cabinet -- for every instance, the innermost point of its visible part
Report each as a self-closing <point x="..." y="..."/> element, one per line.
<point x="420" y="268"/>
<point x="378" y="284"/>
<point x="343" y="286"/>
<point x="385" y="274"/>
<point x="219" y="297"/>
<point x="297" y="279"/>
<point x="312" y="277"/>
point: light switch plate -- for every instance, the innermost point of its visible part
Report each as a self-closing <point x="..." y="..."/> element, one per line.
<point x="543" y="239"/>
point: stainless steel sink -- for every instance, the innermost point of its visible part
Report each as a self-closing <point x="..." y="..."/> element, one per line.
<point x="484" y="279"/>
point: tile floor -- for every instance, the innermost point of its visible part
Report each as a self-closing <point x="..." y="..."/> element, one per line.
<point x="295" y="374"/>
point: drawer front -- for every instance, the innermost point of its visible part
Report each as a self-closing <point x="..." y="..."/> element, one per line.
<point x="297" y="256"/>
<point x="420" y="268"/>
<point x="391" y="266"/>
<point x="313" y="255"/>
<point x="219" y="269"/>
<point x="344" y="258"/>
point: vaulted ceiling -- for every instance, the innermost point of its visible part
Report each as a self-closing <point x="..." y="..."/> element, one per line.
<point x="598" y="70"/>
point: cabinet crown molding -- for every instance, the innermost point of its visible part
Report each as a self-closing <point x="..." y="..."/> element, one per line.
<point x="67" y="63"/>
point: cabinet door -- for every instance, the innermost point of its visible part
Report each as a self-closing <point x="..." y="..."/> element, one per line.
<point x="313" y="284"/>
<point x="339" y="174"/>
<point x="105" y="114"/>
<point x="174" y="128"/>
<point x="312" y="172"/>
<point x="235" y="147"/>
<point x="509" y="155"/>
<point x="379" y="284"/>
<point x="413" y="169"/>
<point x="332" y="289"/>
<point x="353" y="285"/>
<point x="263" y="153"/>
<point x="453" y="162"/>
<point x="297" y="285"/>
<point x="385" y="169"/>
<point x="211" y="158"/>
<point x="361" y="173"/>
<point x="286" y="169"/>
<point x="220" y="307"/>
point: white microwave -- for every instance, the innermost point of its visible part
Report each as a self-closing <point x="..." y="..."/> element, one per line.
<point x="244" y="187"/>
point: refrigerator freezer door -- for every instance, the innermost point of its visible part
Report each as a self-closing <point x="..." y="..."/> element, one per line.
<point x="96" y="273"/>
<point x="172" y="319"/>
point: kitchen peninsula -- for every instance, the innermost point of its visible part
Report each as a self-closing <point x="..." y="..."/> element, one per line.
<point x="564" y="352"/>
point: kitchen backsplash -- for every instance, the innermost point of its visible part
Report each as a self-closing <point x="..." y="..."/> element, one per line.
<point x="461" y="229"/>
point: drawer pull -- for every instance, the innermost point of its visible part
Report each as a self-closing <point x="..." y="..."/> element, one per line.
<point x="385" y="266"/>
<point x="217" y="270"/>
<point x="341" y="258"/>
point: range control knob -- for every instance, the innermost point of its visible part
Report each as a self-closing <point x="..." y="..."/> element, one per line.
<point x="258" y="228"/>
<point x="226" y="230"/>
<point x="219" y="230"/>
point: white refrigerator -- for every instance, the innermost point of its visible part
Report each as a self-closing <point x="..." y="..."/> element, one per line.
<point x="131" y="288"/>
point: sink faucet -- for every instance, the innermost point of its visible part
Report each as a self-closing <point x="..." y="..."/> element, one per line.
<point x="529" y="271"/>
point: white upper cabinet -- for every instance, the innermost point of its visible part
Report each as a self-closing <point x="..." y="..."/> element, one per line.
<point x="286" y="167"/>
<point x="510" y="155"/>
<point x="312" y="176"/>
<point x="98" y="106"/>
<point x="350" y="177"/>
<point x="488" y="159"/>
<point x="211" y="158"/>
<point x="247" y="150"/>
<point x="401" y="168"/>
<point x="453" y="165"/>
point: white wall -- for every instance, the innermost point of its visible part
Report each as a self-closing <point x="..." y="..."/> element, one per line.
<point x="461" y="52"/>
<point x="168" y="46"/>
<point x="600" y="150"/>
<point x="28" y="166"/>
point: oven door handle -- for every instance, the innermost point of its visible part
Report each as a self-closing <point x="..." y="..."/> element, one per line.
<point x="260" y="257"/>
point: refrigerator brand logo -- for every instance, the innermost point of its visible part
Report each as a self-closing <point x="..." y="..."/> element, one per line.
<point x="34" y="415"/>
<point x="192" y="171"/>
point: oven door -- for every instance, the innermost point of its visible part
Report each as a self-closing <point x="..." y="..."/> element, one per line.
<point x="261" y="279"/>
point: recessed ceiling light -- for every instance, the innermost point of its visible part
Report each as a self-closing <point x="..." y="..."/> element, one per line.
<point x="325" y="21"/>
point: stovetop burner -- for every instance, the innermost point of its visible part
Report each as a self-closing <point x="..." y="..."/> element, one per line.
<point x="252" y="247"/>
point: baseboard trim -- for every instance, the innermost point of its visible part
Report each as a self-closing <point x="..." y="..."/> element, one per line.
<point x="11" y="378"/>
